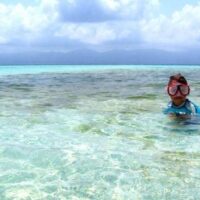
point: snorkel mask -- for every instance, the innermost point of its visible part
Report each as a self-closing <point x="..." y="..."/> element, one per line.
<point x="184" y="89"/>
<point x="178" y="83"/>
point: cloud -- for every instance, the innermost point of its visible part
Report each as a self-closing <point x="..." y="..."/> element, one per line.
<point x="181" y="29"/>
<point x="40" y="25"/>
<point x="84" y="11"/>
<point x="104" y="10"/>
<point x="21" y="23"/>
<point x="105" y="34"/>
<point x="61" y="25"/>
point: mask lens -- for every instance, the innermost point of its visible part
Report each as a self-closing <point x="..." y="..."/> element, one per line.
<point x="184" y="89"/>
<point x="172" y="90"/>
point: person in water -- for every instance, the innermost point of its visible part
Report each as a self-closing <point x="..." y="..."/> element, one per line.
<point x="178" y="90"/>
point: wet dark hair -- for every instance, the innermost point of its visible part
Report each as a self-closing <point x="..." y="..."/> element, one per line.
<point x="177" y="77"/>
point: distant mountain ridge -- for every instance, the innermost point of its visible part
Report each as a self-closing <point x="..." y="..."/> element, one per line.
<point x="114" y="57"/>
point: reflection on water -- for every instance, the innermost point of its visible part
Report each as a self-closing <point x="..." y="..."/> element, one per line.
<point x="97" y="135"/>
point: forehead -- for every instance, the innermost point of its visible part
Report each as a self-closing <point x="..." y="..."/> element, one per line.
<point x="175" y="82"/>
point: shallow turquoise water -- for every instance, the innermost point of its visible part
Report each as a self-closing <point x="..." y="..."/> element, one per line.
<point x="95" y="133"/>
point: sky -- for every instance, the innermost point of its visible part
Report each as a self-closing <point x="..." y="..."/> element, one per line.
<point x="82" y="31"/>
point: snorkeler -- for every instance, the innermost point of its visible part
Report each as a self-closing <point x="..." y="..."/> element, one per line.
<point x="178" y="90"/>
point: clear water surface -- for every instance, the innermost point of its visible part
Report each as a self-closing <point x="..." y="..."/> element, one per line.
<point x="95" y="132"/>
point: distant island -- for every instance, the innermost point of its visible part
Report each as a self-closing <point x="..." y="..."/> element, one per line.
<point x="114" y="57"/>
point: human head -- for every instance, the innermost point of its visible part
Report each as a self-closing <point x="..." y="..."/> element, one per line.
<point x="178" y="78"/>
<point x="177" y="83"/>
